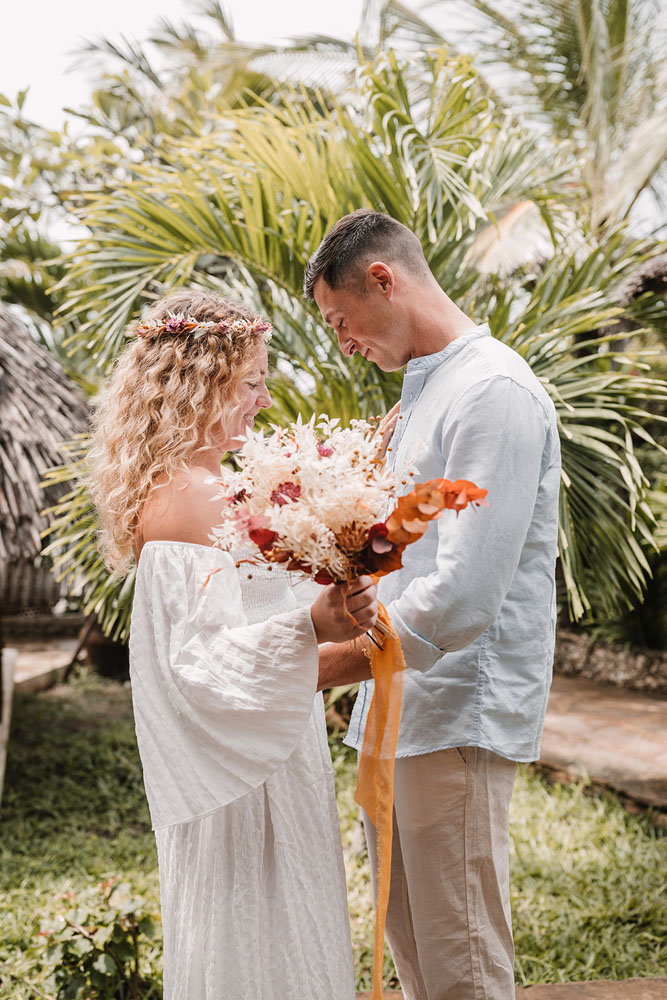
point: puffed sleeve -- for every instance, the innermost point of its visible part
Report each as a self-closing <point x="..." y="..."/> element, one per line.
<point x="218" y="704"/>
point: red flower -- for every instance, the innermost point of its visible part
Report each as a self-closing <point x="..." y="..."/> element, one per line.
<point x="257" y="532"/>
<point x="286" y="492"/>
<point x="297" y="564"/>
<point x="382" y="554"/>
<point x="177" y="324"/>
<point x="263" y="537"/>
<point x="377" y="539"/>
<point x="324" y="451"/>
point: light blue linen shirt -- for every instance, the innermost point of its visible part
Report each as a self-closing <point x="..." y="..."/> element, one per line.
<point x="475" y="602"/>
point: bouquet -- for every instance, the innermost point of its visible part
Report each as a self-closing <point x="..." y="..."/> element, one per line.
<point x="311" y="497"/>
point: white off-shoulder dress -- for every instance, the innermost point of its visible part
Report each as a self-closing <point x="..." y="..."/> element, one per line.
<point x="239" y="781"/>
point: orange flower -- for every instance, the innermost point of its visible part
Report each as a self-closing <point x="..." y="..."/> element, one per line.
<point x="414" y="511"/>
<point x="460" y="493"/>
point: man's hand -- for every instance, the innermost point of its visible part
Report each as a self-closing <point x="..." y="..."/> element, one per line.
<point x="342" y="663"/>
<point x="387" y="426"/>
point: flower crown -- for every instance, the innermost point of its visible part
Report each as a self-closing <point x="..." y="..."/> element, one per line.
<point x="177" y="324"/>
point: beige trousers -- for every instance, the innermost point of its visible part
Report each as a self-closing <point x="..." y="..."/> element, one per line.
<point x="448" y="921"/>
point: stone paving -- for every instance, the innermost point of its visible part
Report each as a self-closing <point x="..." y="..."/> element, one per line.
<point x="41" y="664"/>
<point x="617" y="737"/>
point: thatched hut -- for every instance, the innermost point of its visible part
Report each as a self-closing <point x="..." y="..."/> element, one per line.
<point x="40" y="408"/>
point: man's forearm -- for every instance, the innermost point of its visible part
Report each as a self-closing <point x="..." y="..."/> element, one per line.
<point x="342" y="663"/>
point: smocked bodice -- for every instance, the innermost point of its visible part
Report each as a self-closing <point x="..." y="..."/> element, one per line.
<point x="265" y="591"/>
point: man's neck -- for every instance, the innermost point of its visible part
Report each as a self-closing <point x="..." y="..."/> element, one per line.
<point x="437" y="321"/>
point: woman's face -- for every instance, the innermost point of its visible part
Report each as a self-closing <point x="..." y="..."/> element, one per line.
<point x="252" y="397"/>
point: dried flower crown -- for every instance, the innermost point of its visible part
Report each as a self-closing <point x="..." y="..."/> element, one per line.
<point x="177" y="324"/>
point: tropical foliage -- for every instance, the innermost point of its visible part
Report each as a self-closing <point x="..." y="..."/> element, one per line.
<point x="201" y="173"/>
<point x="589" y="71"/>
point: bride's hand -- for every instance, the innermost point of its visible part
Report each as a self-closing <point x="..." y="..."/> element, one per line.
<point x="387" y="426"/>
<point x="346" y="611"/>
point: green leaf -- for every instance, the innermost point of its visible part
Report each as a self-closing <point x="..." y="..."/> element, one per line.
<point x="105" y="965"/>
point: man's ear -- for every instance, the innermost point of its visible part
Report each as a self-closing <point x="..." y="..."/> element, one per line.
<point x="380" y="278"/>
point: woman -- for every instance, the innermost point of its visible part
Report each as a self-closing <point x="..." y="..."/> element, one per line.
<point x="224" y="670"/>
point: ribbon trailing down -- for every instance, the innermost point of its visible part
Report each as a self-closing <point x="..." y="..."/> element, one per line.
<point x="375" y="777"/>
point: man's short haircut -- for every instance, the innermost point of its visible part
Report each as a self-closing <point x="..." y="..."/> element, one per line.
<point x="354" y="242"/>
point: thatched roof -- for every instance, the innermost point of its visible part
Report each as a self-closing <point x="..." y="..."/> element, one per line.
<point x="651" y="276"/>
<point x="40" y="408"/>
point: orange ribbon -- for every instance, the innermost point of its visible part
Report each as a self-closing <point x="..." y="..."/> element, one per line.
<point x="375" y="777"/>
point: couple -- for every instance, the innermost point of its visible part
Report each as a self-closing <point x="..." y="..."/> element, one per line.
<point x="224" y="680"/>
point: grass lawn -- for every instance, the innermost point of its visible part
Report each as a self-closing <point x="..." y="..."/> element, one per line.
<point x="587" y="876"/>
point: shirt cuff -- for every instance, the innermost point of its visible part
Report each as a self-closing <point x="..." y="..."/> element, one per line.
<point x="418" y="652"/>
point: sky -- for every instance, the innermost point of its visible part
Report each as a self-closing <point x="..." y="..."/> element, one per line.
<point x="39" y="36"/>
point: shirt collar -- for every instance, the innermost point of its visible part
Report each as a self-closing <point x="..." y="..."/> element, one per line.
<point x="430" y="361"/>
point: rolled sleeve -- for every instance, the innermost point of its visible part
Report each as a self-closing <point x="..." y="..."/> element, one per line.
<point x="495" y="435"/>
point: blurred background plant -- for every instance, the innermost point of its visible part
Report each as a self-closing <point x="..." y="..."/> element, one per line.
<point x="203" y="160"/>
<point x="98" y="946"/>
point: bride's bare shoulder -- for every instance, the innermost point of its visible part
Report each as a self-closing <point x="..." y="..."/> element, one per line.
<point x="182" y="509"/>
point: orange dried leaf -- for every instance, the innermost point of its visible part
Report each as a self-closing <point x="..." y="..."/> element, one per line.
<point x="387" y="563"/>
<point x="399" y="536"/>
<point x="429" y="509"/>
<point x="460" y="493"/>
<point x="416" y="527"/>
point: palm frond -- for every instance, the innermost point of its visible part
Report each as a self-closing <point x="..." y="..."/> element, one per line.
<point x="242" y="208"/>
<point x="71" y="544"/>
<point x="127" y="52"/>
<point x="574" y="334"/>
<point x="591" y="70"/>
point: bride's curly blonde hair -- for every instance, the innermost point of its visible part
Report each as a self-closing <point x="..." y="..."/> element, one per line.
<point x="166" y="393"/>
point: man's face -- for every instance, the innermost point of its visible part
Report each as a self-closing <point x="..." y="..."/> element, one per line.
<point x="366" y="320"/>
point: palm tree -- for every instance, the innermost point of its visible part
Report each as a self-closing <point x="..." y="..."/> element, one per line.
<point x="240" y="210"/>
<point x="195" y="72"/>
<point x="588" y="70"/>
<point x="141" y="104"/>
<point x="42" y="174"/>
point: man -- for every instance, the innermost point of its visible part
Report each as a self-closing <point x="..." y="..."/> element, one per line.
<point x="473" y="605"/>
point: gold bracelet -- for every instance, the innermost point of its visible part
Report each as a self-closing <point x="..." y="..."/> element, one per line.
<point x="365" y="647"/>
